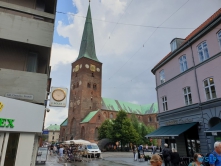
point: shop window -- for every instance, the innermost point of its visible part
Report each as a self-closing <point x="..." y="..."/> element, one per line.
<point x="210" y="90"/>
<point x="162" y="76"/>
<point x="164" y="101"/>
<point x="203" y="51"/>
<point x="89" y="85"/>
<point x="95" y="86"/>
<point x="11" y="150"/>
<point x="187" y="95"/>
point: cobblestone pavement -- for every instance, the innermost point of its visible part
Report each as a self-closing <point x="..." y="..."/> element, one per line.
<point x="107" y="159"/>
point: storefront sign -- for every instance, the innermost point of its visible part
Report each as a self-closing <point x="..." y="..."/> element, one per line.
<point x="180" y="121"/>
<point x="6" y="122"/>
<point x="21" y="116"/>
<point x="214" y="133"/>
<point x="19" y="96"/>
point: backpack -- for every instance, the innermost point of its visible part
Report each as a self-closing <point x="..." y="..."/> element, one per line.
<point x="140" y="148"/>
<point x="207" y="159"/>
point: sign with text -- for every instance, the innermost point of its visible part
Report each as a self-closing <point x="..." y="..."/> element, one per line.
<point x="58" y="97"/>
<point x="179" y="121"/>
<point x="19" y="96"/>
<point x="21" y="116"/>
<point x="42" y="155"/>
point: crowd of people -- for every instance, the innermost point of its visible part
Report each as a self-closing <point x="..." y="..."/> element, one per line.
<point x="172" y="157"/>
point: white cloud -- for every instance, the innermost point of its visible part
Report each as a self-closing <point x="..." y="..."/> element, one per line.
<point x="64" y="54"/>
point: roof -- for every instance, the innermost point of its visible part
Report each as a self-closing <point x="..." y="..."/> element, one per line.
<point x="65" y="122"/>
<point x="54" y="127"/>
<point x="89" y="116"/>
<point x="87" y="48"/>
<point x="116" y="105"/>
<point x="194" y="33"/>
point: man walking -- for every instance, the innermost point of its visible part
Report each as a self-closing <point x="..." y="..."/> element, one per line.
<point x="166" y="155"/>
<point x="216" y="155"/>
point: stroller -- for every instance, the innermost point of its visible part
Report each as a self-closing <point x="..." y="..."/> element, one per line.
<point x="141" y="155"/>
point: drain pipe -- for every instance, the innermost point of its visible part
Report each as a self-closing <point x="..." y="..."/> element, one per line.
<point x="200" y="107"/>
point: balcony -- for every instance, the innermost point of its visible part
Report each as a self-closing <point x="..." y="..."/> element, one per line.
<point x="23" y="24"/>
<point x="22" y="85"/>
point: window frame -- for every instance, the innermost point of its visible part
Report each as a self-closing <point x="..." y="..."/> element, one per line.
<point x="201" y="44"/>
<point x="187" y="94"/>
<point x="163" y="103"/>
<point x="161" y="80"/>
<point x="181" y="61"/>
<point x="173" y="45"/>
<point x="209" y="86"/>
<point x="219" y="39"/>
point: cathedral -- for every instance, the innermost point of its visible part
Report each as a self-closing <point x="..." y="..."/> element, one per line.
<point x="87" y="109"/>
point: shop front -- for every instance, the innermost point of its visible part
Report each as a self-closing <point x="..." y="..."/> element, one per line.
<point x="21" y="124"/>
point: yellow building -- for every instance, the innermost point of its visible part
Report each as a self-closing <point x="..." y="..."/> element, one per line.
<point x="54" y="133"/>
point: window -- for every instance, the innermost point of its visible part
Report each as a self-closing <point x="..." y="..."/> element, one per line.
<point x="150" y="119"/>
<point x="32" y="62"/>
<point x="88" y="85"/>
<point x="95" y="86"/>
<point x="77" y="84"/>
<point x="52" y="137"/>
<point x="74" y="86"/>
<point x="111" y="116"/>
<point x="162" y="76"/>
<point x="76" y="74"/>
<point x="183" y="63"/>
<point x="203" y="51"/>
<point x="173" y="45"/>
<point x="210" y="88"/>
<point x="187" y="95"/>
<point x="219" y="37"/>
<point x="53" y="133"/>
<point x="164" y="99"/>
<point x="92" y="74"/>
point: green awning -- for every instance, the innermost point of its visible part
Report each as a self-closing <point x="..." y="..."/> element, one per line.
<point x="170" y="131"/>
<point x="215" y="130"/>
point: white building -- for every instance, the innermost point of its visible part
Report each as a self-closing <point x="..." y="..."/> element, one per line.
<point x="26" y="35"/>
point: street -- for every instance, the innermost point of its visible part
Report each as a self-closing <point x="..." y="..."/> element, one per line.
<point x="107" y="159"/>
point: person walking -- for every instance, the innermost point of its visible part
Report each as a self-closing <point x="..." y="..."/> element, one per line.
<point x="134" y="150"/>
<point x="216" y="155"/>
<point x="156" y="160"/>
<point x="61" y="153"/>
<point x="175" y="157"/>
<point x="197" y="160"/>
<point x="166" y="155"/>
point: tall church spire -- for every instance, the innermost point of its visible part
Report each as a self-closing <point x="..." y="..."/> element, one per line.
<point x="87" y="48"/>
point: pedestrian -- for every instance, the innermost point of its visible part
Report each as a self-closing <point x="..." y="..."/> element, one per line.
<point x="146" y="148"/>
<point x="55" y="149"/>
<point x="197" y="160"/>
<point x="154" y="149"/>
<point x="134" y="149"/>
<point x="166" y="155"/>
<point x="135" y="153"/>
<point x="216" y="155"/>
<point x="51" y="149"/>
<point x="175" y="157"/>
<point x="156" y="160"/>
<point x="61" y="153"/>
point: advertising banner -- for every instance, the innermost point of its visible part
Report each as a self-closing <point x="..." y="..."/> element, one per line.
<point x="42" y="155"/>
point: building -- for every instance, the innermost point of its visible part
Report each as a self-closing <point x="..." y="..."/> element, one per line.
<point x="87" y="109"/>
<point x="26" y="34"/>
<point x="188" y="89"/>
<point x="53" y="133"/>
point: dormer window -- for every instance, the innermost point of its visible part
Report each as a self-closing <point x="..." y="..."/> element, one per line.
<point x="173" y="45"/>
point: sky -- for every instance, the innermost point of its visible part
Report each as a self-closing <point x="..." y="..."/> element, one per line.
<point x="131" y="37"/>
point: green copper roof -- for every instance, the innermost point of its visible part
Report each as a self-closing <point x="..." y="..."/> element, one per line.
<point x="65" y="122"/>
<point x="87" y="48"/>
<point x="116" y="105"/>
<point x="89" y="116"/>
<point x="54" y="127"/>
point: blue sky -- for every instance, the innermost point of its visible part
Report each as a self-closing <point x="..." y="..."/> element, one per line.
<point x="128" y="53"/>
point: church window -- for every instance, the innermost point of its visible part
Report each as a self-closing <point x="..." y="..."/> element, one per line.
<point x="95" y="86"/>
<point x="105" y="115"/>
<point x="76" y="74"/>
<point x="99" y="117"/>
<point x="74" y="86"/>
<point x="111" y="116"/>
<point x="90" y="107"/>
<point x="150" y="119"/>
<point x="77" y="84"/>
<point x="88" y="85"/>
<point x="92" y="74"/>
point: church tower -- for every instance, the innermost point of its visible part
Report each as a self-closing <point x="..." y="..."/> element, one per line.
<point x="85" y="86"/>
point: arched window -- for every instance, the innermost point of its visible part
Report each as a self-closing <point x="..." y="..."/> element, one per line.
<point x="111" y="116"/>
<point x="105" y="114"/>
<point x="77" y="84"/>
<point x="73" y="127"/>
<point x="94" y="86"/>
<point x="82" y="132"/>
<point x="99" y="117"/>
<point x="150" y="119"/>
<point x="89" y="85"/>
<point x="96" y="134"/>
<point x="92" y="74"/>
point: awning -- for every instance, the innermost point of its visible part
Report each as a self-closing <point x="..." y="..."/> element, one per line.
<point x="170" y="131"/>
<point x="214" y="131"/>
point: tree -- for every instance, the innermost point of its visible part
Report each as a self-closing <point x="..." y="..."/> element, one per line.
<point x="105" y="130"/>
<point x="123" y="129"/>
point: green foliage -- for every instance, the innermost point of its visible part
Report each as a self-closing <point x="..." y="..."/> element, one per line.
<point x="105" y="130"/>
